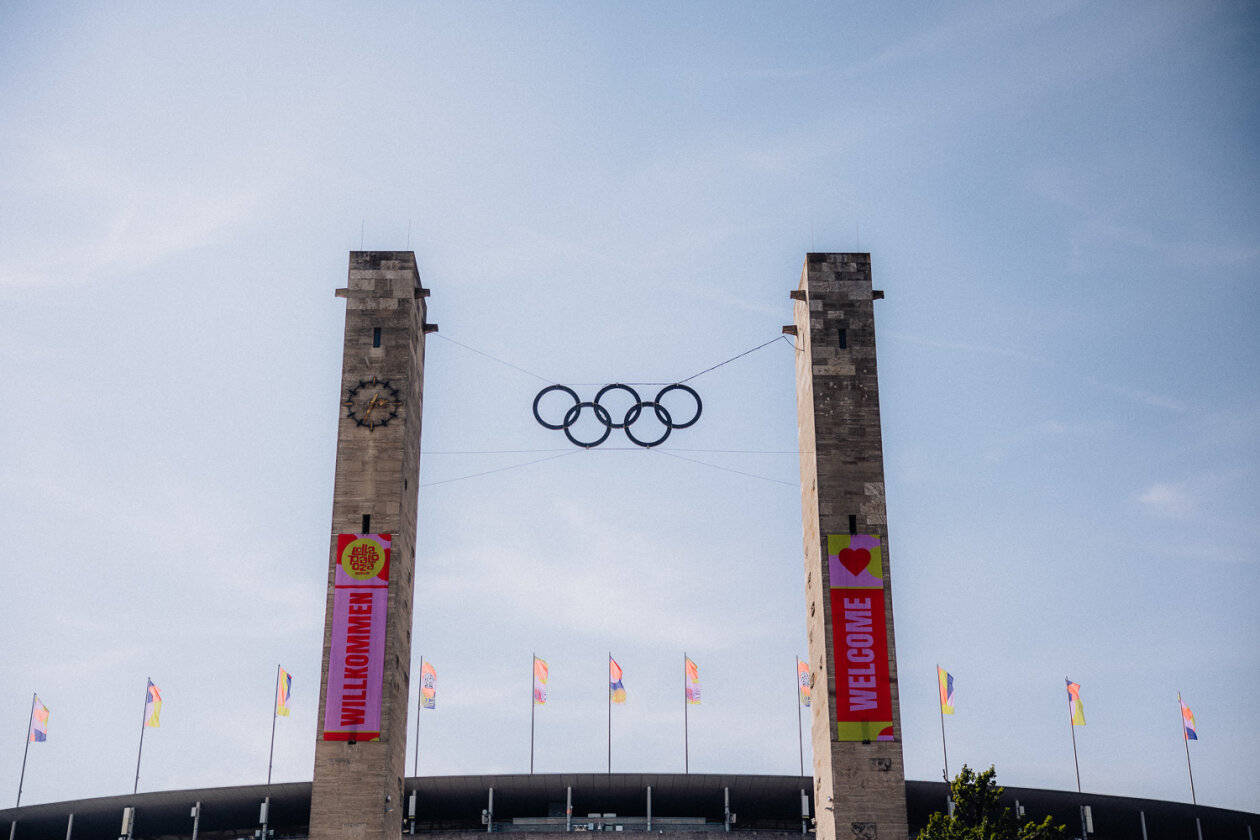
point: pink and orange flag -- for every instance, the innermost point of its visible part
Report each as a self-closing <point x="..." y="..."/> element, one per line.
<point x="39" y="722"/>
<point x="540" y="681"/>
<point x="428" y="686"/>
<point x="693" y="681"/>
<point x="616" y="691"/>
<point x="1074" y="703"/>
<point x="1187" y="721"/>
<point x="152" y="705"/>
<point x="946" y="682"/>
<point x="804" y="682"/>
<point x="284" y="684"/>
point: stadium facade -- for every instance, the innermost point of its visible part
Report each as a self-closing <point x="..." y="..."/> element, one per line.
<point x="450" y="807"/>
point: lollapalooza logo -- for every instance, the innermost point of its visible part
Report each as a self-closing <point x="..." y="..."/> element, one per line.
<point x="363" y="559"/>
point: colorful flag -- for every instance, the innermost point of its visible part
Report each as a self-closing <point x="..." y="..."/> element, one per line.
<point x="152" y="705"/>
<point x="39" y="722"/>
<point x="946" y="681"/>
<point x="616" y="691"/>
<point x="428" y="686"/>
<point x="804" y="682"/>
<point x="1187" y="721"/>
<point x="1074" y="703"/>
<point x="283" y="686"/>
<point x="693" y="681"/>
<point x="540" y="681"/>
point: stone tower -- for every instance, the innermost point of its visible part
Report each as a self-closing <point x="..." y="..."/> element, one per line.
<point x="859" y="776"/>
<point x="360" y="749"/>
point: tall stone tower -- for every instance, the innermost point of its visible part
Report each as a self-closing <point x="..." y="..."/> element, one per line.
<point x="859" y="776"/>
<point x="360" y="749"/>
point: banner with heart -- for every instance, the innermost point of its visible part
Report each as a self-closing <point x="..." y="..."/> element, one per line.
<point x="855" y="563"/>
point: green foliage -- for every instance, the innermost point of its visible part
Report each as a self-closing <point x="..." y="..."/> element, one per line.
<point x="978" y="815"/>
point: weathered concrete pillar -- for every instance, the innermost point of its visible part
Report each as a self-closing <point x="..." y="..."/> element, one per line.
<point x="859" y="776"/>
<point x="361" y="741"/>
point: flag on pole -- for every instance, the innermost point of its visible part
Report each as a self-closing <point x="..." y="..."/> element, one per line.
<point x="616" y="691"/>
<point x="428" y="686"/>
<point x="946" y="681"/>
<point x="39" y="722"/>
<point x="1074" y="703"/>
<point x="283" y="686"/>
<point x="693" y="682"/>
<point x="804" y="682"/>
<point x="1187" y="721"/>
<point x="152" y="705"/>
<point x="540" y="681"/>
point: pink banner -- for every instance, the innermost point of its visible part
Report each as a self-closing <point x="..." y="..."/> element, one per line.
<point x="860" y="638"/>
<point x="356" y="663"/>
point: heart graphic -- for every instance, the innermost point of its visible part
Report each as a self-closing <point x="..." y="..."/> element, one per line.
<point x="855" y="559"/>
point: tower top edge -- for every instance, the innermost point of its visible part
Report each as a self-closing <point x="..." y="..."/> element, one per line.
<point x="838" y="256"/>
<point x="374" y="259"/>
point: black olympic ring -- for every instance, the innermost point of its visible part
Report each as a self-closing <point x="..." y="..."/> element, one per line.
<point x="605" y="418"/>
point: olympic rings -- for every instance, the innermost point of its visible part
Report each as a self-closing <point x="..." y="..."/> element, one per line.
<point x="604" y="417"/>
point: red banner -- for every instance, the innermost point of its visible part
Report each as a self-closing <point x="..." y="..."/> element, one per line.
<point x="860" y="638"/>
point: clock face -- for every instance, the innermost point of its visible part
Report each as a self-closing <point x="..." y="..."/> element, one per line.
<point x="372" y="403"/>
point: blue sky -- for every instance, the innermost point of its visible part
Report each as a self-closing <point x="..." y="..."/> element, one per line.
<point x="1060" y="203"/>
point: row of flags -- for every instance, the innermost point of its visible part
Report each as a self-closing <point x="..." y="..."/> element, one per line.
<point x="617" y="688"/>
<point x="1076" y="709"/>
<point x="38" y="730"/>
<point x="428" y="692"/>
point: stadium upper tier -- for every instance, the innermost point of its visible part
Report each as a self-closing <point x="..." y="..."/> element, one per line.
<point x="537" y="803"/>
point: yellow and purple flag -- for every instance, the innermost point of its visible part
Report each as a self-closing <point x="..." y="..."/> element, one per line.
<point x="1187" y="721"/>
<point x="616" y="691"/>
<point x="1074" y="703"/>
<point x="152" y="705"/>
<point x="693" y="681"/>
<point x="428" y="686"/>
<point x="284" y="684"/>
<point x="39" y="722"/>
<point x="804" y="682"/>
<point x="540" y="681"/>
<point x="946" y="681"/>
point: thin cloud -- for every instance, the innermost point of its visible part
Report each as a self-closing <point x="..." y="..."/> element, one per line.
<point x="109" y="219"/>
<point x="1168" y="500"/>
<point x="970" y="347"/>
<point x="1144" y="397"/>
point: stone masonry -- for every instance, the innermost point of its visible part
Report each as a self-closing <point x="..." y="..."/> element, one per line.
<point x="860" y="789"/>
<point x="358" y="786"/>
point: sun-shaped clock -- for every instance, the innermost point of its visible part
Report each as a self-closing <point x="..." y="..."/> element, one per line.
<point x="372" y="403"/>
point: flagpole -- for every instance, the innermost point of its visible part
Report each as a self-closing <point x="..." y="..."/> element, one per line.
<point x="610" y="712"/>
<point x="1072" y="725"/>
<point x="686" y="747"/>
<point x="1184" y="737"/>
<point x="27" y="748"/>
<point x="533" y="664"/>
<point x="415" y="767"/>
<point x="274" y="706"/>
<point x="143" y="718"/>
<point x="945" y="752"/>
<point x="800" y="733"/>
